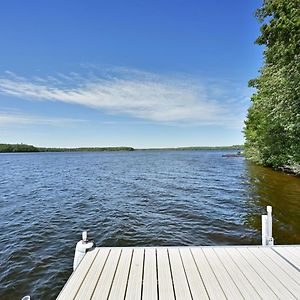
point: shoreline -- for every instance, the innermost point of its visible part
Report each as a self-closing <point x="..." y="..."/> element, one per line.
<point x="24" y="148"/>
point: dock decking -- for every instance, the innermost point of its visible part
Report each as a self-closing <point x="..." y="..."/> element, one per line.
<point x="162" y="273"/>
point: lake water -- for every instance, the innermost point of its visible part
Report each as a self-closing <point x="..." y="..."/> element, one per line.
<point x="140" y="198"/>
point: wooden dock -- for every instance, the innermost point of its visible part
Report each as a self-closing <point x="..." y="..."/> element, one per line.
<point x="162" y="273"/>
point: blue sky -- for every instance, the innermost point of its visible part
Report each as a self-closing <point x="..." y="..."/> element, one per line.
<point x="126" y="73"/>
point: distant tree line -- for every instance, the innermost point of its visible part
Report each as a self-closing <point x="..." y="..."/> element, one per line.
<point x="18" y="148"/>
<point x="272" y="127"/>
<point x="85" y="149"/>
<point x="30" y="148"/>
<point x="233" y="147"/>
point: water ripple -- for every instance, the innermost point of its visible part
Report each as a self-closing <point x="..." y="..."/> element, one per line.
<point x="129" y="199"/>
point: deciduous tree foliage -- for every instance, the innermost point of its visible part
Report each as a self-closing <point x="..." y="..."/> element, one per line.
<point x="272" y="127"/>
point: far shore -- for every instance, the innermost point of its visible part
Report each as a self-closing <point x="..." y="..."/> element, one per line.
<point x="23" y="148"/>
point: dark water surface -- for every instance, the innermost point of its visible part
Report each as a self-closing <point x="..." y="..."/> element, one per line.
<point x="140" y="198"/>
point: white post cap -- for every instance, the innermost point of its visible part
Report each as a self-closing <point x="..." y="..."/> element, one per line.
<point x="84" y="236"/>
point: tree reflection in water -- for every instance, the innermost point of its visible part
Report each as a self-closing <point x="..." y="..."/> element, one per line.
<point x="282" y="192"/>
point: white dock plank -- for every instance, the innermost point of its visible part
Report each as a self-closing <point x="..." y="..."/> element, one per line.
<point x="89" y="284"/>
<point x="119" y="284"/>
<point x="134" y="288"/>
<point x="246" y="289"/>
<point x="181" y="286"/>
<point x="165" y="284"/>
<point x="295" y="250"/>
<point x="184" y="273"/>
<point x="279" y="289"/>
<point x="195" y="281"/>
<point x="72" y="286"/>
<point x="150" y="275"/>
<point x="277" y="271"/>
<point x="210" y="281"/>
<point x="296" y="253"/>
<point x="107" y="276"/>
<point x="229" y="288"/>
<point x="283" y="264"/>
<point x="256" y="281"/>
<point x="289" y="255"/>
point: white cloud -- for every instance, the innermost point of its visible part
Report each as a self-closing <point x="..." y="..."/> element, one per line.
<point x="165" y="99"/>
<point x="15" y="118"/>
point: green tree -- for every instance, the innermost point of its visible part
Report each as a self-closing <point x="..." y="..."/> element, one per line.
<point x="272" y="127"/>
<point x="17" y="148"/>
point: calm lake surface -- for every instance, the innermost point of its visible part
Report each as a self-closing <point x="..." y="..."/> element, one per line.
<point x="140" y="198"/>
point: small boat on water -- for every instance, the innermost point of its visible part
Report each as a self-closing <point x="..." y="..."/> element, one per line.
<point x="238" y="154"/>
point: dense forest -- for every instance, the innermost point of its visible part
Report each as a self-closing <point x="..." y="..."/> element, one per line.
<point x="272" y="127"/>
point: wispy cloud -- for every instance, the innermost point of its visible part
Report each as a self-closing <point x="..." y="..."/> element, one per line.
<point x="15" y="118"/>
<point x="166" y="99"/>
